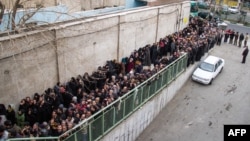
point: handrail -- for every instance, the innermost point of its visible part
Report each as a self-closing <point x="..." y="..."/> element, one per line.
<point x="34" y="138"/>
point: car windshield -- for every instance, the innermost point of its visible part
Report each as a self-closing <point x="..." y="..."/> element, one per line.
<point x="206" y="67"/>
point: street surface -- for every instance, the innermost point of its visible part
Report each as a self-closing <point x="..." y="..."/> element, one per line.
<point x="231" y="16"/>
<point x="240" y="29"/>
<point x="198" y="112"/>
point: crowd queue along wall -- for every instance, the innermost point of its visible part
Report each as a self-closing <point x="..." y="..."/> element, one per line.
<point x="130" y="128"/>
<point x="32" y="61"/>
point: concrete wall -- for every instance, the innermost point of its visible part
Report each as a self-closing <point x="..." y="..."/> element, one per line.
<point x="27" y="66"/>
<point x="85" y="46"/>
<point x="136" y="30"/>
<point x="73" y="5"/>
<point x="131" y="128"/>
<point x="33" y="61"/>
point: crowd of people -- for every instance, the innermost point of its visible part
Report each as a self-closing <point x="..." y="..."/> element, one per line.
<point x="62" y="107"/>
<point x="236" y="38"/>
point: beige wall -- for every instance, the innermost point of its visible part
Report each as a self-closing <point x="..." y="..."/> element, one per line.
<point x="85" y="46"/>
<point x="33" y="61"/>
<point x="27" y="66"/>
<point x="73" y="5"/>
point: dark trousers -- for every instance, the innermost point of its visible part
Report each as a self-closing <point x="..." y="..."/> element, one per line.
<point x="244" y="59"/>
<point x="235" y="42"/>
<point x="230" y="40"/>
<point x="240" y="42"/>
<point x="245" y="43"/>
<point x="218" y="42"/>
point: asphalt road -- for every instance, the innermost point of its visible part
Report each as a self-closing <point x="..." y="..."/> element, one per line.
<point x="240" y="29"/>
<point x="231" y="16"/>
<point x="198" y="112"/>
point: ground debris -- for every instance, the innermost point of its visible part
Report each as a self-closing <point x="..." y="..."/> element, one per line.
<point x="231" y="89"/>
<point x="229" y="106"/>
<point x="210" y="123"/>
<point x="187" y="97"/>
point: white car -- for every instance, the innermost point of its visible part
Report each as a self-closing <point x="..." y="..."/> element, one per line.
<point x="222" y="25"/>
<point x="208" y="69"/>
<point x="233" y="9"/>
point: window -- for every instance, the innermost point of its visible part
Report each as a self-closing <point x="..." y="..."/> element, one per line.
<point x="206" y="66"/>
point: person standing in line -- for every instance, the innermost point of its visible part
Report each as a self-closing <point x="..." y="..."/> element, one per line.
<point x="219" y="37"/>
<point x="162" y="47"/>
<point x="227" y="35"/>
<point x="246" y="38"/>
<point x="236" y="38"/>
<point x="231" y="37"/>
<point x="173" y="47"/>
<point x="4" y="134"/>
<point x="244" y="54"/>
<point x="241" y="38"/>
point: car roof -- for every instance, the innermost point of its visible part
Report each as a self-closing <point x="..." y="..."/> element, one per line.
<point x="211" y="59"/>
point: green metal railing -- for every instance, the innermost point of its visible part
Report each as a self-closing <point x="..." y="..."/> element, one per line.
<point x="95" y="127"/>
<point x="35" y="139"/>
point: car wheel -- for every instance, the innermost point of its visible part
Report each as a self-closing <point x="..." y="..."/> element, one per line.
<point x="221" y="69"/>
<point x="211" y="81"/>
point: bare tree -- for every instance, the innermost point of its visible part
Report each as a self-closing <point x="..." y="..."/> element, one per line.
<point x="12" y="14"/>
<point x="2" y="8"/>
<point x="28" y="16"/>
<point x="15" y="6"/>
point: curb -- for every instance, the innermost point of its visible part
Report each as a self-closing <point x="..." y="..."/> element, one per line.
<point x="227" y="21"/>
<point x="240" y="24"/>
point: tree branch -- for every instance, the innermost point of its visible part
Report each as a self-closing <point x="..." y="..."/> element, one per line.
<point x="13" y="25"/>
<point x="2" y="7"/>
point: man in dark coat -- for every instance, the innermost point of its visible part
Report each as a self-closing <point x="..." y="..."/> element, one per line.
<point x="241" y="38"/>
<point x="11" y="115"/>
<point x="153" y="53"/>
<point x="244" y="54"/>
<point x="236" y="36"/>
<point x="231" y="37"/>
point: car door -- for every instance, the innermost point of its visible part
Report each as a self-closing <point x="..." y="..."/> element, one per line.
<point x="218" y="66"/>
<point x="216" y="69"/>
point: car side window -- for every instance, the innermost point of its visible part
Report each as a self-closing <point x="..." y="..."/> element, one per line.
<point x="220" y="62"/>
<point x="216" y="66"/>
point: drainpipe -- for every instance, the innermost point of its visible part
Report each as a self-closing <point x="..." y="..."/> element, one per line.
<point x="157" y="24"/>
<point x="56" y="55"/>
<point x="118" y="36"/>
<point x="90" y="5"/>
<point x="180" y="17"/>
